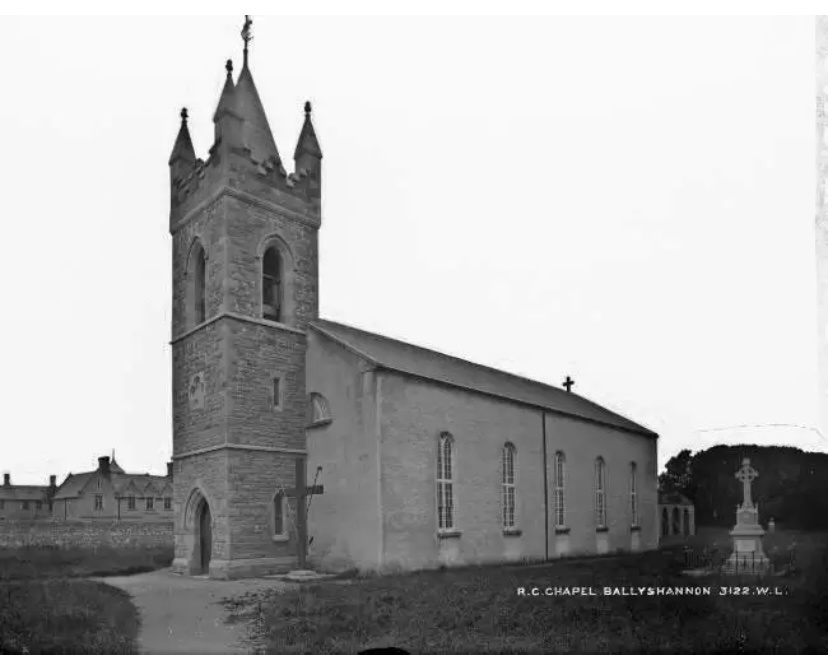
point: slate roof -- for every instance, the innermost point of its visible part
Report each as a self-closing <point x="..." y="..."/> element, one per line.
<point x="73" y="484"/>
<point x="413" y="360"/>
<point x="673" y="498"/>
<point x="23" y="492"/>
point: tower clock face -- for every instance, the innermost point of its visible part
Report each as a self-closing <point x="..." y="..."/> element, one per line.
<point x="195" y="391"/>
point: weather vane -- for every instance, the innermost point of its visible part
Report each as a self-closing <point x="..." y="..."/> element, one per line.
<point x="246" y="34"/>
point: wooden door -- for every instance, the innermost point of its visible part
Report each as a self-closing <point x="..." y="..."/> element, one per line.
<point x="205" y="537"/>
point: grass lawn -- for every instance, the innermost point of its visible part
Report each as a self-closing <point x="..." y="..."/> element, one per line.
<point x="46" y="562"/>
<point x="66" y="616"/>
<point x="46" y="608"/>
<point x="478" y="609"/>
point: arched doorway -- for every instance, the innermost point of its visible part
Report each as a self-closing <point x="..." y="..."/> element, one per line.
<point x="665" y="523"/>
<point x="676" y="521"/>
<point x="686" y="522"/>
<point x="205" y="536"/>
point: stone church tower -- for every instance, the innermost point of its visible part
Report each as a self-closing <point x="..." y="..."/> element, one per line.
<point x="822" y="214"/>
<point x="245" y="285"/>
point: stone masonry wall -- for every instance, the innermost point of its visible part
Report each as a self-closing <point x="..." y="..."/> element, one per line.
<point x="86" y="534"/>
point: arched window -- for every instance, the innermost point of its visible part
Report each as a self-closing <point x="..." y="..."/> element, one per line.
<point x="559" y="484"/>
<point x="600" y="493"/>
<point x="445" y="482"/>
<point x="676" y="522"/>
<point x="199" y="286"/>
<point x="634" y="493"/>
<point x="279" y="523"/>
<point x="665" y="523"/>
<point x="320" y="412"/>
<point x="196" y="310"/>
<point x="272" y="294"/>
<point x="508" y="486"/>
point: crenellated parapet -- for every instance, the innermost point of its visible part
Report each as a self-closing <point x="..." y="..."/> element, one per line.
<point x="244" y="156"/>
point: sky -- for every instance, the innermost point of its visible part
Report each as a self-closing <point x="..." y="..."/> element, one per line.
<point x="626" y="200"/>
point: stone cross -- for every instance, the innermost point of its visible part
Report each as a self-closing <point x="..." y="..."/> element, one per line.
<point x="746" y="475"/>
<point x="568" y="383"/>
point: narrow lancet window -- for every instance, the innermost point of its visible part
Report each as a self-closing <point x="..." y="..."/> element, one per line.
<point x="272" y="285"/>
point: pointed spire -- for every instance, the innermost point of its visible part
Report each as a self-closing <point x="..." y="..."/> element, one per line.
<point x="307" y="147"/>
<point x="183" y="149"/>
<point x="225" y="102"/>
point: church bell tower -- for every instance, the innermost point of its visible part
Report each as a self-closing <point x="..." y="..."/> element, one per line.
<point x="245" y="285"/>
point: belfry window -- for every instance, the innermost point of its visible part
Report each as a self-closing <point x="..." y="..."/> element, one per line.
<point x="272" y="285"/>
<point x="196" y="310"/>
<point x="199" y="286"/>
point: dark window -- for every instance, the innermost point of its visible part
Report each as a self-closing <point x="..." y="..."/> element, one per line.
<point x="2" y="504"/>
<point x="150" y="503"/>
<point x="277" y="392"/>
<point x="38" y="505"/>
<point x="25" y="504"/>
<point x="278" y="515"/>
<point x="272" y="285"/>
<point x="131" y="502"/>
<point x="168" y="503"/>
<point x="199" y="285"/>
<point x="98" y="501"/>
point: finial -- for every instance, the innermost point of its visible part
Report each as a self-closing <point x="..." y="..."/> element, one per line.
<point x="229" y="67"/>
<point x="184" y="115"/>
<point x="246" y="35"/>
<point x="307" y="108"/>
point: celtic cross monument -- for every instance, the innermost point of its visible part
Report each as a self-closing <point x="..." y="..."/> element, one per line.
<point x="747" y="555"/>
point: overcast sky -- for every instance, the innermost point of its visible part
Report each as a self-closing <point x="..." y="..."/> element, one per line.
<point x="628" y="201"/>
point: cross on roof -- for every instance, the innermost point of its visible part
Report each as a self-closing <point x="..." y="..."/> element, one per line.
<point x="568" y="383"/>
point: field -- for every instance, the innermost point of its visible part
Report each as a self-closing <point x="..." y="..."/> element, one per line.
<point x="478" y="609"/>
<point x="46" y="606"/>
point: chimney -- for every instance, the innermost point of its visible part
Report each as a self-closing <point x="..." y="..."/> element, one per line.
<point x="169" y="470"/>
<point x="7" y="479"/>
<point x="52" y="480"/>
<point x="103" y="466"/>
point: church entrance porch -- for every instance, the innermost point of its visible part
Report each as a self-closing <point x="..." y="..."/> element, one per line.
<point x="194" y="536"/>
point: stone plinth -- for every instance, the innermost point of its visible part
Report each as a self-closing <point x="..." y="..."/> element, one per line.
<point x="748" y="555"/>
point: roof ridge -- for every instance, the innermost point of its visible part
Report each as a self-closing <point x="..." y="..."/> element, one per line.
<point x="329" y="328"/>
<point x="517" y="376"/>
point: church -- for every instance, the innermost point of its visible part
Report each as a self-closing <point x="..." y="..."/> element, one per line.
<point x="305" y="443"/>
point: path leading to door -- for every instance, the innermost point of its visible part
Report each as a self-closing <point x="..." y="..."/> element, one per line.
<point x="182" y="614"/>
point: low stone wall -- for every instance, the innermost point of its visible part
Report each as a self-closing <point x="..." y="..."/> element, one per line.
<point x="86" y="534"/>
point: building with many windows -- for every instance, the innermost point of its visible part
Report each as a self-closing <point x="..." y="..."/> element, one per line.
<point x="110" y="493"/>
<point x="296" y="437"/>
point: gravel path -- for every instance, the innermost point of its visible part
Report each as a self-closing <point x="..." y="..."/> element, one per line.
<point x="181" y="614"/>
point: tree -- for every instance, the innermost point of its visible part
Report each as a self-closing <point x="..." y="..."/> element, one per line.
<point x="678" y="475"/>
